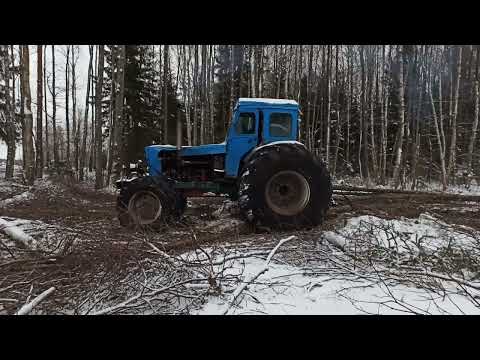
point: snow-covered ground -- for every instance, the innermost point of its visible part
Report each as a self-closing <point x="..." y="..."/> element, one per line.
<point x="316" y="289"/>
<point x="285" y="290"/>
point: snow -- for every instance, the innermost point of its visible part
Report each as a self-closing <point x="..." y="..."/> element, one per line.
<point x="269" y="101"/>
<point x="285" y="290"/>
<point x="402" y="235"/>
<point x="288" y="289"/>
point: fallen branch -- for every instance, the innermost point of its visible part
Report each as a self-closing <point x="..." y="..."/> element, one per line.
<point x="252" y="278"/>
<point x="25" y="309"/>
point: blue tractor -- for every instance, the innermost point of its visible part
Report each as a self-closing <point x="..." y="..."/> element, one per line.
<point x="278" y="183"/>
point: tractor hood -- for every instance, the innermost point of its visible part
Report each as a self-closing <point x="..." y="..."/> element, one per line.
<point x="152" y="153"/>
<point x="211" y="149"/>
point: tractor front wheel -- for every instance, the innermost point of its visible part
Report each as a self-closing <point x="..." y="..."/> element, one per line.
<point x="149" y="202"/>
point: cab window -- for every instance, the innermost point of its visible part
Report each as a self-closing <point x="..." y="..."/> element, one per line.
<point x="245" y="124"/>
<point x="280" y="125"/>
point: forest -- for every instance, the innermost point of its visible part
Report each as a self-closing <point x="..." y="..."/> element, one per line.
<point x="399" y="114"/>
<point x="393" y="129"/>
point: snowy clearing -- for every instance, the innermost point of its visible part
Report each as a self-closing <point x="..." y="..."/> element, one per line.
<point x="285" y="290"/>
<point x="377" y="288"/>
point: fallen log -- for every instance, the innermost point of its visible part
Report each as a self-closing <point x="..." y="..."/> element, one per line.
<point x="16" y="234"/>
<point x="359" y="191"/>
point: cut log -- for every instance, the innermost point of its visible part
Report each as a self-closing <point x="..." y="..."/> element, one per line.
<point x="359" y="191"/>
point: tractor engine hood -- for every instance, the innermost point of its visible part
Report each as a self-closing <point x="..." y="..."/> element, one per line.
<point x="210" y="149"/>
<point x="152" y="153"/>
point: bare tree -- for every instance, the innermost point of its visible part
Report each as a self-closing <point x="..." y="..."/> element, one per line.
<point x="165" y="93"/>
<point x="83" y="151"/>
<point x="9" y="110"/>
<point x="473" y="136"/>
<point x="195" y="95"/>
<point x="401" y="124"/>
<point x="67" y="90"/>
<point x="98" y="120"/>
<point x="45" y="107"/>
<point x="29" y="160"/>
<point x="54" y="110"/>
<point x="75" y="122"/>
<point x="38" y="140"/>
<point x="453" y="140"/>
<point x="118" y="142"/>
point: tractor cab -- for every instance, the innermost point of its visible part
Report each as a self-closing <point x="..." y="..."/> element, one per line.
<point x="257" y="122"/>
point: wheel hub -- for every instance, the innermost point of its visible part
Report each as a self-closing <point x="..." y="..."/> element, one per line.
<point x="145" y="207"/>
<point x="287" y="193"/>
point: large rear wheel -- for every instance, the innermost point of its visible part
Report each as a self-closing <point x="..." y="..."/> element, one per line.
<point x="284" y="186"/>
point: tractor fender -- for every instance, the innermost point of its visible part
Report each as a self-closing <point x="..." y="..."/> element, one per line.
<point x="249" y="155"/>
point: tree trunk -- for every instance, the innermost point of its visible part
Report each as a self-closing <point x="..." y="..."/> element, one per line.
<point x="165" y="94"/>
<point x="337" y="111"/>
<point x="361" y="164"/>
<point x="38" y="140"/>
<point x="54" y="110"/>
<point x="67" y="90"/>
<point x="349" y="106"/>
<point x="232" y="69"/>
<point x="307" y="100"/>
<point x="119" y="144"/>
<point x="47" y="148"/>
<point x="9" y="112"/>
<point x="453" y="140"/>
<point x="401" y="125"/>
<point x="93" y="152"/>
<point x="111" y="113"/>
<point x="203" y="88"/>
<point x="329" y="101"/>
<point x="473" y="137"/>
<point x="384" y="120"/>
<point x="416" y="140"/>
<point x="253" y="69"/>
<point x="29" y="160"/>
<point x="98" y="120"/>
<point x="372" y="74"/>
<point x="195" y="95"/>
<point x="83" y="151"/>
<point x="74" y="112"/>
<point x="439" y="139"/>
<point x="212" y="97"/>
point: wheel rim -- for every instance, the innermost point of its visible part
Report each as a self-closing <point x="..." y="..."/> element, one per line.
<point x="145" y="207"/>
<point x="287" y="193"/>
